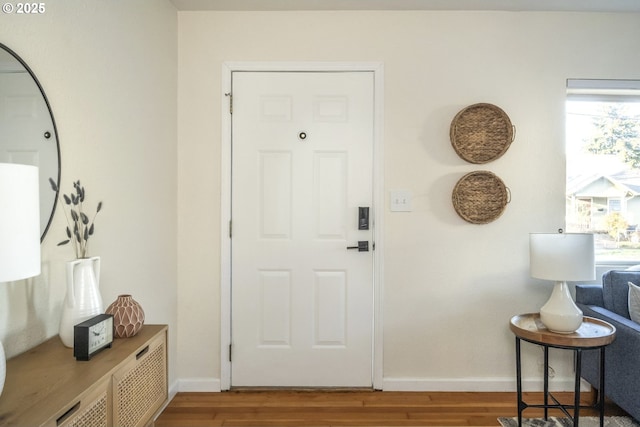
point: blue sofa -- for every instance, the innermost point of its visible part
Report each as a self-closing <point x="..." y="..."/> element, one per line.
<point x="609" y="302"/>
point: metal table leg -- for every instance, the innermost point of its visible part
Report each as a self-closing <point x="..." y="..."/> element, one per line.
<point x="601" y="389"/>
<point x="576" y="411"/>
<point x="519" y="381"/>
<point x="546" y="382"/>
<point x="547" y="395"/>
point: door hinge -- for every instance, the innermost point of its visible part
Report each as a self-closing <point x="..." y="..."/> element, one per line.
<point x="230" y="95"/>
<point x="230" y="346"/>
<point x="230" y="229"/>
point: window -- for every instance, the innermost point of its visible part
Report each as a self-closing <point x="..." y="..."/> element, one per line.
<point x="615" y="205"/>
<point x="603" y="165"/>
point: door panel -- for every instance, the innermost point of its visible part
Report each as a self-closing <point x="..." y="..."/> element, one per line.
<point x="302" y="303"/>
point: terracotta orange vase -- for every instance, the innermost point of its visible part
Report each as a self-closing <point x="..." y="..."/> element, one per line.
<point x="128" y="316"/>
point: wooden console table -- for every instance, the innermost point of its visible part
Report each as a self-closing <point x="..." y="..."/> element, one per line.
<point x="125" y="385"/>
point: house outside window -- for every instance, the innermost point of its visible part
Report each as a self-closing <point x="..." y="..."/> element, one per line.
<point x="603" y="166"/>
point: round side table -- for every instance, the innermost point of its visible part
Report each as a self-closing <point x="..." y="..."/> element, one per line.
<point x="593" y="334"/>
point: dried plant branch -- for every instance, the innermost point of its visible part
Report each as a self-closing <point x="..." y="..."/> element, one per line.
<point x="79" y="227"/>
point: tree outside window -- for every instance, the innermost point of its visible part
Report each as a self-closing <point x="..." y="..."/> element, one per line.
<point x="603" y="174"/>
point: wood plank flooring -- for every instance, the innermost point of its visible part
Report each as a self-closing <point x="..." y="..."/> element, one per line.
<point x="284" y="408"/>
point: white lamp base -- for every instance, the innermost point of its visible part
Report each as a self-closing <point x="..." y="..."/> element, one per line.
<point x="560" y="314"/>
<point x="3" y="367"/>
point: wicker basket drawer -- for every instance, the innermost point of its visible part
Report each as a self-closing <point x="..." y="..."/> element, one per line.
<point x="139" y="387"/>
<point x="91" y="409"/>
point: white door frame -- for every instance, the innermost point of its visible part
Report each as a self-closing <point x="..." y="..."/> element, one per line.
<point x="225" y="201"/>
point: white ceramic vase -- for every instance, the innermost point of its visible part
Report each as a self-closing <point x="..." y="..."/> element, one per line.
<point x="83" y="299"/>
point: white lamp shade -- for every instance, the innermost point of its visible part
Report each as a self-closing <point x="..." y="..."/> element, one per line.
<point x="562" y="256"/>
<point x="19" y="222"/>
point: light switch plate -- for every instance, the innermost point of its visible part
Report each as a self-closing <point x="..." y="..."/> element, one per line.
<point x="400" y="200"/>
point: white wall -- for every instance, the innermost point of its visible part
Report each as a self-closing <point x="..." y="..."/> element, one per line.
<point x="450" y="286"/>
<point x="110" y="73"/>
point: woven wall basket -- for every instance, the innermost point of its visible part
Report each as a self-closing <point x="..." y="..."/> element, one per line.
<point x="481" y="133"/>
<point x="480" y="197"/>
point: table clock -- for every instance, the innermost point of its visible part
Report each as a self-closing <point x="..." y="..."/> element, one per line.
<point x="92" y="336"/>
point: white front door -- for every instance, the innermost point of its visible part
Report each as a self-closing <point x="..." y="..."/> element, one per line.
<point x="302" y="169"/>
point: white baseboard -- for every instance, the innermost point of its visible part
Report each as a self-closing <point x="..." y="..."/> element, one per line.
<point x="478" y="384"/>
<point x="199" y="385"/>
<point x="497" y="384"/>
<point x="173" y="389"/>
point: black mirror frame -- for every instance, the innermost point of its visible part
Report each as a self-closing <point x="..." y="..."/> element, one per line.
<point x="55" y="131"/>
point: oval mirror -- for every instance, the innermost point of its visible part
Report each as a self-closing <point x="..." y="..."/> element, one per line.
<point x="28" y="132"/>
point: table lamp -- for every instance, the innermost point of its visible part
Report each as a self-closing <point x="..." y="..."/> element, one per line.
<point x="19" y="229"/>
<point x="561" y="257"/>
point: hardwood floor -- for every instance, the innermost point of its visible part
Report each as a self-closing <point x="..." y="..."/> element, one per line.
<point x="350" y="408"/>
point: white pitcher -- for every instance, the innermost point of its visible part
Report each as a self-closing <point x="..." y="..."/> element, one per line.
<point x="83" y="300"/>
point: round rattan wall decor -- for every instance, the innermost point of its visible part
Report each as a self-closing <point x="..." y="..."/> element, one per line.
<point x="481" y="133"/>
<point x="480" y="197"/>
